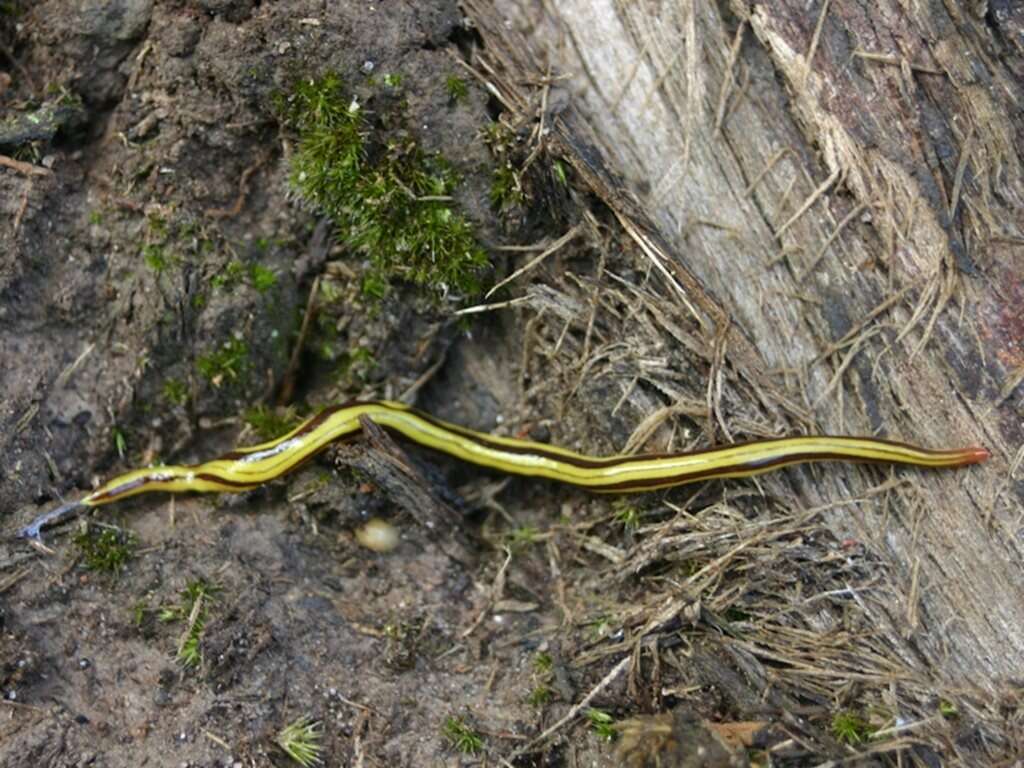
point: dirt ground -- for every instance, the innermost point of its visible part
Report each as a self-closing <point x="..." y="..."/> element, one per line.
<point x="146" y="194"/>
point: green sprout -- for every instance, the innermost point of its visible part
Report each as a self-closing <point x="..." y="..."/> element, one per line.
<point x="390" y="200"/>
<point x="461" y="736"/>
<point x="300" y="740"/>
<point x="457" y="88"/>
<point x="105" y="549"/>
<point x="560" y="174"/>
<point x="228" y="362"/>
<point x="392" y="80"/>
<point x="850" y="728"/>
<point x="948" y="709"/>
<point x="600" y="628"/>
<point x="626" y="514"/>
<point x="602" y="724"/>
<point x="194" y="611"/>
<point x="521" y="537"/>
<point x="120" y="442"/>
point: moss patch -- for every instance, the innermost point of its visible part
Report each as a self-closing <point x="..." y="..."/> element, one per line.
<point x="105" y="549"/>
<point x="390" y="200"/>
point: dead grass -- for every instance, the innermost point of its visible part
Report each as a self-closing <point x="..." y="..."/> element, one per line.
<point x="733" y="601"/>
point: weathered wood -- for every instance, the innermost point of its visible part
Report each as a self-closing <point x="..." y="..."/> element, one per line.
<point x="841" y="186"/>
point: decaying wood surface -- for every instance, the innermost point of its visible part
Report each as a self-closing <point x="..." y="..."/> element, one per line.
<point x="834" y="191"/>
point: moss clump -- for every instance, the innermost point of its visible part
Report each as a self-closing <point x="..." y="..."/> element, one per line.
<point x="506" y="183"/>
<point x="506" y="188"/>
<point x="262" y="278"/>
<point x="105" y="549"/>
<point x="194" y="611"/>
<point x="390" y="200"/>
<point x="226" y="363"/>
<point x="231" y="275"/>
<point x="457" y="88"/>
<point x="300" y="740"/>
<point x="540" y="695"/>
<point x="175" y="391"/>
<point x="461" y="736"/>
<point x="850" y="728"/>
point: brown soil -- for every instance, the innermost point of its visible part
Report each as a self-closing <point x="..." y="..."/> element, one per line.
<point x="147" y="176"/>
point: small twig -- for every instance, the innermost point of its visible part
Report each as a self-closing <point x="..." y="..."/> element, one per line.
<point x="64" y="375"/>
<point x="27" y="169"/>
<point x="496" y="592"/>
<point x="883" y="58"/>
<point x="554" y="247"/>
<point x="815" y="38"/>
<point x="243" y="193"/>
<point x="288" y="381"/>
<point x="22" y="209"/>
<point x="821" y="190"/>
<point x="478" y="308"/>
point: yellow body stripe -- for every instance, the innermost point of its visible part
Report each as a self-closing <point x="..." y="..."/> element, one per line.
<point x="250" y="467"/>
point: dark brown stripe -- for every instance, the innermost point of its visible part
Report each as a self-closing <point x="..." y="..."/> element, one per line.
<point x="210" y="477"/>
<point x="746" y="467"/>
<point x="602" y="463"/>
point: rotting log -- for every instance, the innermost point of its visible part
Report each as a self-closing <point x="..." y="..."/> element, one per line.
<point x="833" y="191"/>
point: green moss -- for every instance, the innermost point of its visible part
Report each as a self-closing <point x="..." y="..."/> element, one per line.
<point x="175" y="392"/>
<point x="157" y="226"/>
<point x="262" y="278"/>
<point x="506" y="189"/>
<point x="229" y="362"/>
<point x="543" y="663"/>
<point x="461" y="736"/>
<point x="389" y="199"/>
<point x="540" y="695"/>
<point x="231" y="275"/>
<point x="602" y="724"/>
<point x="457" y="88"/>
<point x="193" y="609"/>
<point x="850" y="728"/>
<point x="271" y="423"/>
<point x="156" y="257"/>
<point x="300" y="740"/>
<point x="105" y="549"/>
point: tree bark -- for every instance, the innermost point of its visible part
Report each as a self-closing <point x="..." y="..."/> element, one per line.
<point x="835" y="190"/>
